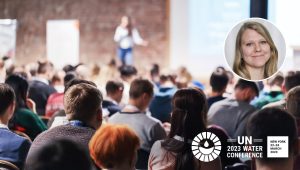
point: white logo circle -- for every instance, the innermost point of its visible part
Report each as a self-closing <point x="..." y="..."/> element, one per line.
<point x="206" y="146"/>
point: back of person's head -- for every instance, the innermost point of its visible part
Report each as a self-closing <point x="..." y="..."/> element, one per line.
<point x="166" y="78"/>
<point x="95" y="69"/>
<point x="7" y="97"/>
<point x="113" y="145"/>
<point x="127" y="70"/>
<point x="68" y="77"/>
<point x="58" y="78"/>
<point x="139" y="87"/>
<point x="243" y="84"/>
<point x="273" y="122"/>
<point x="44" y="67"/>
<point x="69" y="68"/>
<point x="61" y="154"/>
<point x="20" y="86"/>
<point x="75" y="81"/>
<point x="292" y="80"/>
<point x="277" y="80"/>
<point x="154" y="70"/>
<point x="113" y="86"/>
<point x="82" y="102"/>
<point x="189" y="109"/>
<point x="293" y="101"/>
<point x="218" y="81"/>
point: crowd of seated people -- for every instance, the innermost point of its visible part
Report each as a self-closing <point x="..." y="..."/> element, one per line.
<point x="121" y="118"/>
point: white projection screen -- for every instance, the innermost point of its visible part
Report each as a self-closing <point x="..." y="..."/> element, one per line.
<point x="63" y="42"/>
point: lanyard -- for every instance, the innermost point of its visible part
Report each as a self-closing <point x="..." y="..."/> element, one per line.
<point x="78" y="123"/>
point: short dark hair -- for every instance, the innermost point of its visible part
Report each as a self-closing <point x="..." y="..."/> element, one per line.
<point x="292" y="80"/>
<point x="113" y="86"/>
<point x="7" y="97"/>
<point x="20" y="86"/>
<point x="78" y="81"/>
<point x="277" y="79"/>
<point x="218" y="80"/>
<point x="293" y="101"/>
<point x="82" y="101"/>
<point x="243" y="84"/>
<point x="44" y="67"/>
<point x="59" y="154"/>
<point x="127" y="70"/>
<point x="140" y="86"/>
<point x="272" y="122"/>
<point x="68" y="77"/>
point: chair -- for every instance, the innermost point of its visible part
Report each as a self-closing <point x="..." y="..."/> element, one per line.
<point x="5" y="165"/>
<point x="22" y="134"/>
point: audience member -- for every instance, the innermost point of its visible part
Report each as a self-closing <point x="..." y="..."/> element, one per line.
<point x="59" y="154"/>
<point x="57" y="81"/>
<point x="108" y="72"/>
<point x="95" y="74"/>
<point x="274" y="122"/>
<point x="55" y="101"/>
<point x="184" y="77"/>
<point x="293" y="104"/>
<point x="60" y="117"/>
<point x="24" y="119"/>
<point x="293" y="107"/>
<point x="232" y="113"/>
<point x="115" y="147"/>
<point x="83" y="105"/>
<point x="155" y="74"/>
<point x="271" y="93"/>
<point x="39" y="88"/>
<point x="223" y="136"/>
<point x="13" y="148"/>
<point x="291" y="80"/>
<point x="189" y="108"/>
<point x="218" y="82"/>
<point x="147" y="128"/>
<point x="160" y="106"/>
<point x="2" y="72"/>
<point x="114" y="93"/>
<point x="128" y="74"/>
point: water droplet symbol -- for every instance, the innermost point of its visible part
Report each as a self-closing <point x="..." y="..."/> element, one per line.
<point x="206" y="144"/>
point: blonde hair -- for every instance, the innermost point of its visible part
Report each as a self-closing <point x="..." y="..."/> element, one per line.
<point x="113" y="144"/>
<point x="239" y="64"/>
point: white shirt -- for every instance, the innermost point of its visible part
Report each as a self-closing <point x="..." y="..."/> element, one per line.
<point x="3" y="126"/>
<point x="125" y="41"/>
<point x="40" y="79"/>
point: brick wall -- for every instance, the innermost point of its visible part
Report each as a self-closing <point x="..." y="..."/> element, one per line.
<point x="98" y="19"/>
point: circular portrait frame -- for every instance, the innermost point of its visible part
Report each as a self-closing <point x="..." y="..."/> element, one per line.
<point x="276" y="36"/>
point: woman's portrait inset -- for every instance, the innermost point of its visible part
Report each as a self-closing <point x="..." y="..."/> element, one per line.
<point x="255" y="56"/>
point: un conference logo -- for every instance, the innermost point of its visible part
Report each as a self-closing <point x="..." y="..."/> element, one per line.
<point x="206" y="146"/>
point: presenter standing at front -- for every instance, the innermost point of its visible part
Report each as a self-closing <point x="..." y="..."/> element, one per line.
<point x="127" y="36"/>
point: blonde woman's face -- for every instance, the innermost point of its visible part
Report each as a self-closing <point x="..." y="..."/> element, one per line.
<point x="255" y="49"/>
